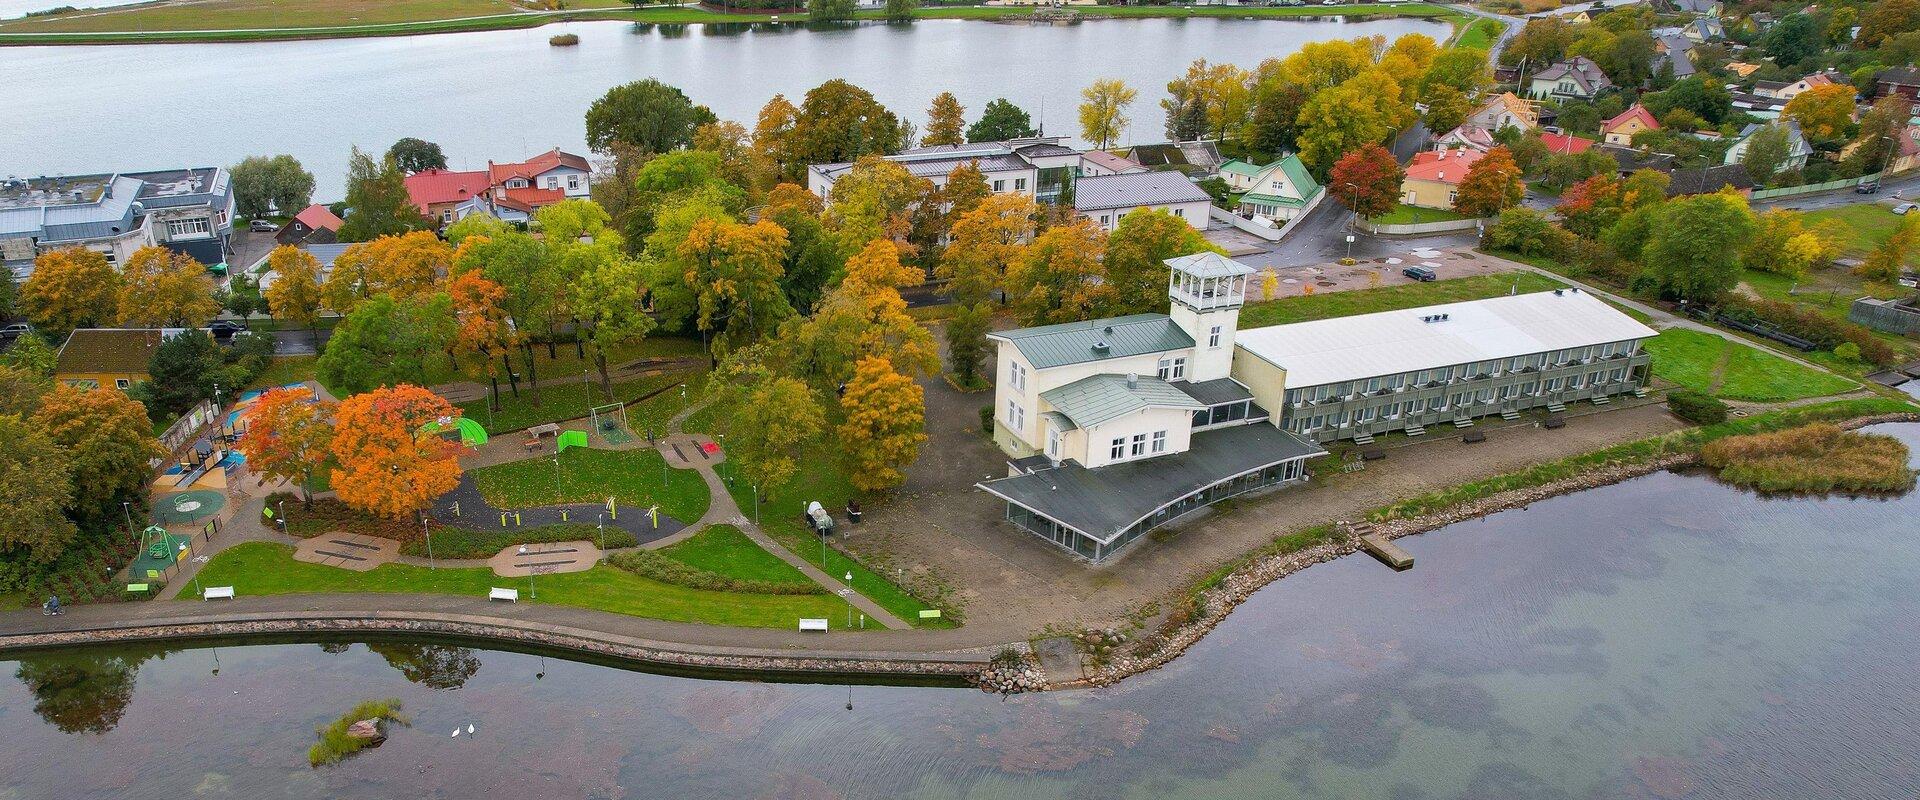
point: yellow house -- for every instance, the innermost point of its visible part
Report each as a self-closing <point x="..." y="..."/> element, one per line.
<point x="1620" y="129"/>
<point x="117" y="357"/>
<point x="1433" y="177"/>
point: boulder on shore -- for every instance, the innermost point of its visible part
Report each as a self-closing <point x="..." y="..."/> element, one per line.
<point x="368" y="730"/>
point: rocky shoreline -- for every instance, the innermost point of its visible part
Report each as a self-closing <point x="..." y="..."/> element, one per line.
<point x="1241" y="584"/>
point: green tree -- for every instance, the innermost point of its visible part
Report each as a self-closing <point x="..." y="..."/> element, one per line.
<point x="1446" y="108"/>
<point x="109" y="442"/>
<point x="1887" y="19"/>
<point x="1000" y="121"/>
<point x="1694" y="250"/>
<point x="242" y="296"/>
<point x="946" y="120"/>
<point x="900" y="10"/>
<point x="1463" y="68"/>
<point x="1136" y="257"/>
<point x="1275" y="122"/>
<point x="1793" y="39"/>
<point x="830" y="10"/>
<point x="874" y="200"/>
<point x="1766" y="152"/>
<point x="377" y="200"/>
<point x="772" y="430"/>
<point x="35" y="489"/>
<point x="607" y="306"/>
<point x="387" y="341"/>
<point x="264" y="184"/>
<point x="183" y="370"/>
<point x="645" y="114"/>
<point x="1103" y="111"/>
<point x="30" y="354"/>
<point x="812" y="257"/>
<point x="838" y="121"/>
<point x="1884" y="263"/>
<point x="417" y="155"/>
<point x="1363" y="110"/>
<point x="967" y="341"/>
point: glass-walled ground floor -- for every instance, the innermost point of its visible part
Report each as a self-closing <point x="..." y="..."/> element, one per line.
<point x="1082" y="544"/>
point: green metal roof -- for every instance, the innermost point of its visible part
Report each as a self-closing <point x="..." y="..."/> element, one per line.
<point x="1098" y="398"/>
<point x="1271" y="199"/>
<point x="1081" y="342"/>
<point x="1297" y="173"/>
<point x="1238" y="167"/>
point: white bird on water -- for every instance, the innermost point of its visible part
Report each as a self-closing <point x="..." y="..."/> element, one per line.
<point x="456" y="731"/>
<point x="469" y="729"/>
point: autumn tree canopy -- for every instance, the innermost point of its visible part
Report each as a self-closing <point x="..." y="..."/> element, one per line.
<point x="71" y="288"/>
<point x="386" y="466"/>
<point x="884" y="425"/>
<point x="161" y="288"/>
<point x="287" y="437"/>
<point x="1367" y="179"/>
<point x="109" y="442"/>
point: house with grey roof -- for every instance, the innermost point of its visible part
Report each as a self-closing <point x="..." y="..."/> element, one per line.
<point x="187" y="210"/>
<point x="1577" y="78"/>
<point x="1673" y="51"/>
<point x="1104" y="199"/>
<point x="1114" y="427"/>
<point x="1039" y="167"/>
<point x="1798" y="150"/>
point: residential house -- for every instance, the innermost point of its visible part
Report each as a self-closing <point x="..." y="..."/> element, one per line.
<point x="1104" y="199"/>
<point x="1575" y="79"/>
<point x="1908" y="156"/>
<point x="1710" y="8"/>
<point x="315" y="224"/>
<point x="1101" y="162"/>
<point x="1632" y="159"/>
<point x="1902" y="81"/>
<point x="1468" y="137"/>
<point x="1742" y="68"/>
<point x="1707" y="180"/>
<point x="1673" y="51"/>
<point x="1240" y="175"/>
<point x="1787" y="90"/>
<point x="1797" y="147"/>
<point x="1197" y="158"/>
<point x="323" y="253"/>
<point x="185" y="210"/>
<point x="1502" y="111"/>
<point x="1704" y="29"/>
<point x="1620" y="130"/>
<point x="1114" y="427"/>
<point x="1038" y="167"/>
<point x="1758" y="105"/>
<point x="514" y="189"/>
<point x="1565" y="143"/>
<point x="1281" y="190"/>
<point x="116" y="357"/>
<point x="1433" y="177"/>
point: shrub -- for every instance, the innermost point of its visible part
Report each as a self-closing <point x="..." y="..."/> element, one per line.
<point x="651" y="564"/>
<point x="1847" y="351"/>
<point x="986" y="421"/>
<point x="564" y="40"/>
<point x="1826" y="332"/>
<point x="1698" y="408"/>
<point x="1529" y="233"/>
<point x="1812" y="458"/>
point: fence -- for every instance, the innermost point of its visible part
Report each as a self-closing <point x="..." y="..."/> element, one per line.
<point x="1891" y="316"/>
<point x="1811" y="188"/>
<point x="1222" y="215"/>
<point x="1422" y="228"/>
<point x="183" y="429"/>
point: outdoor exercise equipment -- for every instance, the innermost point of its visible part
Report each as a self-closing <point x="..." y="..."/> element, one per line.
<point x="472" y="434"/>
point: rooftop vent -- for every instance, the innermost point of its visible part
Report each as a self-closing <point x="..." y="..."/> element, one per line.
<point x="1107" y="330"/>
<point x="1133" y="380"/>
<point x="1559" y="292"/>
<point x="1101" y="347"/>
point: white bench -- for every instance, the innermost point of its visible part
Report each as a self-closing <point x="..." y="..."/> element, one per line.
<point x="217" y="593"/>
<point x="509" y="595"/>
<point x="812" y="625"/>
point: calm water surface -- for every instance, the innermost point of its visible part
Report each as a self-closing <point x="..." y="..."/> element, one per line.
<point x="1663" y="638"/>
<point x="507" y="95"/>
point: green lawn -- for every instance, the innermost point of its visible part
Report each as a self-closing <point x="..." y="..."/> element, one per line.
<point x="591" y="476"/>
<point x="284" y="370"/>
<point x="452" y="542"/>
<point x="1695" y="360"/>
<point x="268" y="568"/>
<point x="724" y="550"/>
<point x="1481" y="33"/>
<point x="572" y="401"/>
<point x="1867" y="224"/>
<point x="1390" y="298"/>
<point x="1404" y="214"/>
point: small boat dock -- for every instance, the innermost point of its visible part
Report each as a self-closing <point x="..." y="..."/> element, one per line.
<point x="1380" y="546"/>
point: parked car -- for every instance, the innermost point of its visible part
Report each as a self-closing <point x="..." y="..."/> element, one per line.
<point x="1867" y="188"/>
<point x="221" y="328"/>
<point x="1903" y="208"/>
<point x="1329" y="2"/>
<point x="15" y="331"/>
<point x="1419" y="274"/>
<point x="262" y="226"/>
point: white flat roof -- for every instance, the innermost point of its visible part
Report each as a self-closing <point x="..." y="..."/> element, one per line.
<point x="1391" y="342"/>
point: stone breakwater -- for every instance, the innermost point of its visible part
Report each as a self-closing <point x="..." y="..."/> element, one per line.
<point x="1238" y="586"/>
<point x="959" y="669"/>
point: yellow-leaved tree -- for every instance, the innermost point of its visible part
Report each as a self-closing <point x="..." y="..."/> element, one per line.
<point x="161" y="288"/>
<point x="71" y="288"/>
<point x="884" y="425"/>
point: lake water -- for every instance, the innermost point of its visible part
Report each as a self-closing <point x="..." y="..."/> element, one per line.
<point x="507" y="95"/>
<point x="1667" y="637"/>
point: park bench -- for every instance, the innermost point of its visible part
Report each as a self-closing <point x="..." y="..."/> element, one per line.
<point x="217" y="593"/>
<point x="509" y="595"/>
<point x="812" y="625"/>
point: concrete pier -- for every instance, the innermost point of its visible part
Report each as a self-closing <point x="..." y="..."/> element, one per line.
<point x="1386" y="551"/>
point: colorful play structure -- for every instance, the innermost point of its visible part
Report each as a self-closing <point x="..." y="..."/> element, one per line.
<point x="472" y="434"/>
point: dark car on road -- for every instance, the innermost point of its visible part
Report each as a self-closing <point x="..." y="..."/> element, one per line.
<point x="1419" y="273"/>
<point x="223" y="328"/>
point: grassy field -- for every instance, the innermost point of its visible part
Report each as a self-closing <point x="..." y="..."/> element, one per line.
<point x="1404" y="214"/>
<point x="572" y="400"/>
<point x="588" y="476"/>
<point x="724" y="550"/>
<point x="268" y="568"/>
<point x="1480" y="33"/>
<point x="1708" y="363"/>
<point x="1390" y="298"/>
<point x="1813" y="458"/>
<point x="451" y="542"/>
<point x="1867" y="224"/>
<point x="247" y="20"/>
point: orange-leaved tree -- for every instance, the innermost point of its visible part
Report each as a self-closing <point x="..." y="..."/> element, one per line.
<point x="287" y="437"/>
<point x="885" y="423"/>
<point x="385" y="464"/>
<point x="1490" y="185"/>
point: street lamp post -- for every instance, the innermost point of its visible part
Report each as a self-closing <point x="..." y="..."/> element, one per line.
<point x="603" y="530"/>
<point x="849" y="591"/>
<point x="429" y="534"/>
<point x="126" y="508"/>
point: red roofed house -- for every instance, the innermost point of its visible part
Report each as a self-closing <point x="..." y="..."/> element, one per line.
<point x="511" y="191"/>
<point x="1565" y="143"/>
<point x="315" y="224"/>
<point x="1620" y="129"/>
<point x="1433" y="177"/>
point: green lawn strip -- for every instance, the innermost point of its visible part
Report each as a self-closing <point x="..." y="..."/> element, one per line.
<point x="1404" y="214"/>
<point x="570" y="401"/>
<point x="1391" y="298"/>
<point x="270" y="14"/>
<point x="454" y="542"/>
<point x="588" y="475"/>
<point x="283" y="370"/>
<point x="1481" y="33"/>
<point x="268" y="568"/>
<point x="724" y="550"/>
<point x="1866" y="224"/>
<point x="1688" y="358"/>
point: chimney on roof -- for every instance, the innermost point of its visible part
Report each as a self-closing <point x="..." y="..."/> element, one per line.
<point x="1133" y="380"/>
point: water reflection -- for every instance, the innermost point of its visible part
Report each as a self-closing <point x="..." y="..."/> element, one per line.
<point x="1667" y="637"/>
